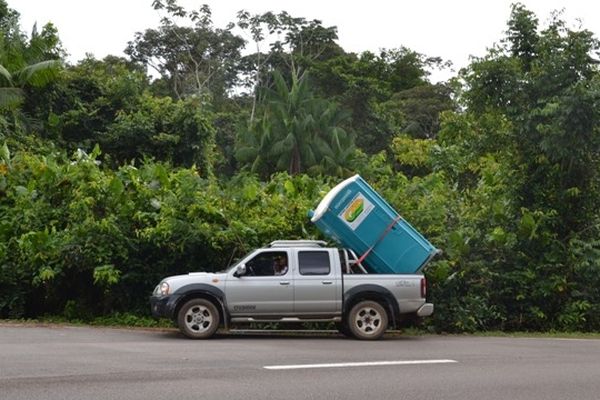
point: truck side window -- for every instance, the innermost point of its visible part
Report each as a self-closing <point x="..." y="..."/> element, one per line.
<point x="314" y="262"/>
<point x="269" y="263"/>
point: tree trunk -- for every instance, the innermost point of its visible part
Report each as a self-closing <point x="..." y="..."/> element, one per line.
<point x="295" y="161"/>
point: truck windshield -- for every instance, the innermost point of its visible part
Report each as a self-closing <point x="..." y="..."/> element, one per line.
<point x="235" y="262"/>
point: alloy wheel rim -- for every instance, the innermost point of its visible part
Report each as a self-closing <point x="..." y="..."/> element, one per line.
<point x="198" y="318"/>
<point x="368" y="320"/>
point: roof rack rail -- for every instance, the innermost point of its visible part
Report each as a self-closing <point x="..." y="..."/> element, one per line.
<point x="297" y="243"/>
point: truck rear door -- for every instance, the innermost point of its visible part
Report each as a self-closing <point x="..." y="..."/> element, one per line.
<point x="317" y="289"/>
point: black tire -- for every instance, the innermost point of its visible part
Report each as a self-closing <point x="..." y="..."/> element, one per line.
<point x="198" y="319"/>
<point x="367" y="320"/>
<point x="342" y="328"/>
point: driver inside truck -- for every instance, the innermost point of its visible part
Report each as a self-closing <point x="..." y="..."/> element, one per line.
<point x="280" y="266"/>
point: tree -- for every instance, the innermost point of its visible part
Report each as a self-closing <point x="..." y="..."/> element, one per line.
<point x="34" y="75"/>
<point x="177" y="131"/>
<point x="297" y="44"/>
<point x="25" y="63"/>
<point x="383" y="92"/>
<point x="546" y="84"/>
<point x="84" y="102"/>
<point x="416" y="111"/>
<point x="296" y="132"/>
<point x="198" y="60"/>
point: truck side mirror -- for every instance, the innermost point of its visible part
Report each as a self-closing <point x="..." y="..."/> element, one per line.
<point x="240" y="270"/>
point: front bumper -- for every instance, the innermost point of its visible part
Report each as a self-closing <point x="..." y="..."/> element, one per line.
<point x="163" y="306"/>
<point x="425" y="310"/>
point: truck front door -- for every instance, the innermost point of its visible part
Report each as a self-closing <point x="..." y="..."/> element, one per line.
<point x="267" y="288"/>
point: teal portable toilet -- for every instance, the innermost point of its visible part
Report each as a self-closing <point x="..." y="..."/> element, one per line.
<point x="357" y="217"/>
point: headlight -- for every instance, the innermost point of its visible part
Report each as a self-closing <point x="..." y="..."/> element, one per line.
<point x="164" y="289"/>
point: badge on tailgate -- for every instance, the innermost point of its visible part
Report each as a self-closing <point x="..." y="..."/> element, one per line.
<point x="406" y="283"/>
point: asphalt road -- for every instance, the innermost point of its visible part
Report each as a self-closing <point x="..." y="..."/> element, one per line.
<point x="90" y="363"/>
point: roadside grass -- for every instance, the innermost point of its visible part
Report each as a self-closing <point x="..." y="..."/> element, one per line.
<point x="120" y="320"/>
<point x="541" y="335"/>
<point x="523" y="334"/>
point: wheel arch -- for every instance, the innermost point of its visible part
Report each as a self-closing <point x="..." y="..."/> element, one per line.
<point x="202" y="291"/>
<point x="374" y="293"/>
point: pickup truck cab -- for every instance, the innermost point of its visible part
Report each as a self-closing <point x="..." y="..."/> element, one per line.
<point x="292" y="281"/>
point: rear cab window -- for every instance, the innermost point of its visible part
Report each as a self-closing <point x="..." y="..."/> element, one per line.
<point x="314" y="263"/>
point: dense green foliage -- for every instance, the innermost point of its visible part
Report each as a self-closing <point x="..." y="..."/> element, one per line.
<point x="73" y="232"/>
<point x="111" y="179"/>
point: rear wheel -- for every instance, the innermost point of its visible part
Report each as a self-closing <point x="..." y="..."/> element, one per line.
<point x="198" y="319"/>
<point x="367" y="320"/>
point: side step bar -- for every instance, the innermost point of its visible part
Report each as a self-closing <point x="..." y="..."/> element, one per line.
<point x="285" y="319"/>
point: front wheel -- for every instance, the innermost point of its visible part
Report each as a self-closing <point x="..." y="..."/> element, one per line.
<point x="198" y="319"/>
<point x="367" y="320"/>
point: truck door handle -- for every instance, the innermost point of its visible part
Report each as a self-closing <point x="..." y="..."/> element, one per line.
<point x="327" y="282"/>
<point x="284" y="283"/>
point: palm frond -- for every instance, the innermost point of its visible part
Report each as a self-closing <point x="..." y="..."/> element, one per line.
<point x="10" y="97"/>
<point x="310" y="158"/>
<point x="280" y="147"/>
<point x="256" y="165"/>
<point x="38" y="74"/>
<point x="246" y="154"/>
<point x="7" y="76"/>
<point x="299" y="131"/>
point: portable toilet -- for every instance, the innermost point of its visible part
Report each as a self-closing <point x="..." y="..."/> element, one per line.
<point x="357" y="217"/>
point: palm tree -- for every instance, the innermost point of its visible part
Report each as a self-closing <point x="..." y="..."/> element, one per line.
<point x="12" y="93"/>
<point x="35" y="75"/>
<point x="297" y="131"/>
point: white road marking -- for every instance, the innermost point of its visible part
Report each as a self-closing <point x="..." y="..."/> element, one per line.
<point x="358" y="364"/>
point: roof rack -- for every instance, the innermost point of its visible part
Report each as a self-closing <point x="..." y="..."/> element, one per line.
<point x="297" y="243"/>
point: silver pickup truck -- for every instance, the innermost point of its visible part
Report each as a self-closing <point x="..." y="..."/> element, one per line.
<point x="292" y="281"/>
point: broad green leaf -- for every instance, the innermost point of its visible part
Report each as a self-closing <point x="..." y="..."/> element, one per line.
<point x="5" y="153"/>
